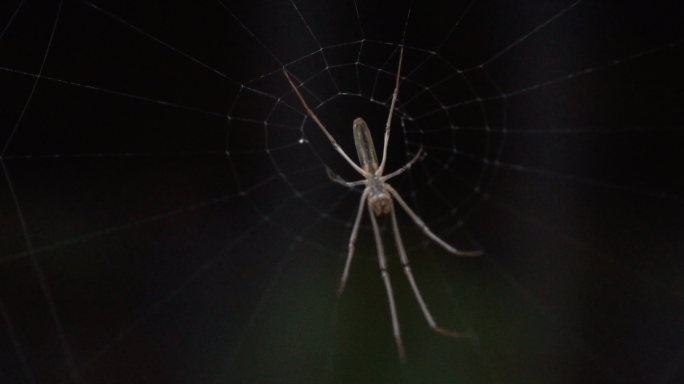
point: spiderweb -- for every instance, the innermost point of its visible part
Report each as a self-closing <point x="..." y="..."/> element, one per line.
<point x="166" y="214"/>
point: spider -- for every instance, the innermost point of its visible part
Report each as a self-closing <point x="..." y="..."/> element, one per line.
<point x="378" y="197"/>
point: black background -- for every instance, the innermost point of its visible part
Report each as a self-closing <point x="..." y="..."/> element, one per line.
<point x="165" y="220"/>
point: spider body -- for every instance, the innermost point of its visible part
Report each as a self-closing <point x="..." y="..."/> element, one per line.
<point x="378" y="197"/>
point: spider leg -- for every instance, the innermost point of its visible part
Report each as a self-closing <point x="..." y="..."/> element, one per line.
<point x="389" y="119"/>
<point x="414" y="286"/>
<point x="427" y="230"/>
<point x="388" y="286"/>
<point x="334" y="177"/>
<point x="332" y="139"/>
<point x="404" y="168"/>
<point x="352" y="241"/>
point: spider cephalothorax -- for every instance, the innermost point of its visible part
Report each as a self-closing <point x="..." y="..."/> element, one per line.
<point x="379" y="198"/>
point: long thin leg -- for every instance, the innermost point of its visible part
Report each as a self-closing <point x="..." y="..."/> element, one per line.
<point x="334" y="177"/>
<point x="332" y="139"/>
<point x="352" y="241"/>
<point x="427" y="230"/>
<point x="404" y="168"/>
<point x="414" y="286"/>
<point x="389" y="119"/>
<point x="388" y="286"/>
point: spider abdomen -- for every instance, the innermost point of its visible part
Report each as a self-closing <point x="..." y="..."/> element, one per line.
<point x="364" y="146"/>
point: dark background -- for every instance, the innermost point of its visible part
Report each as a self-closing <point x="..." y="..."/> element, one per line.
<point x="162" y="222"/>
